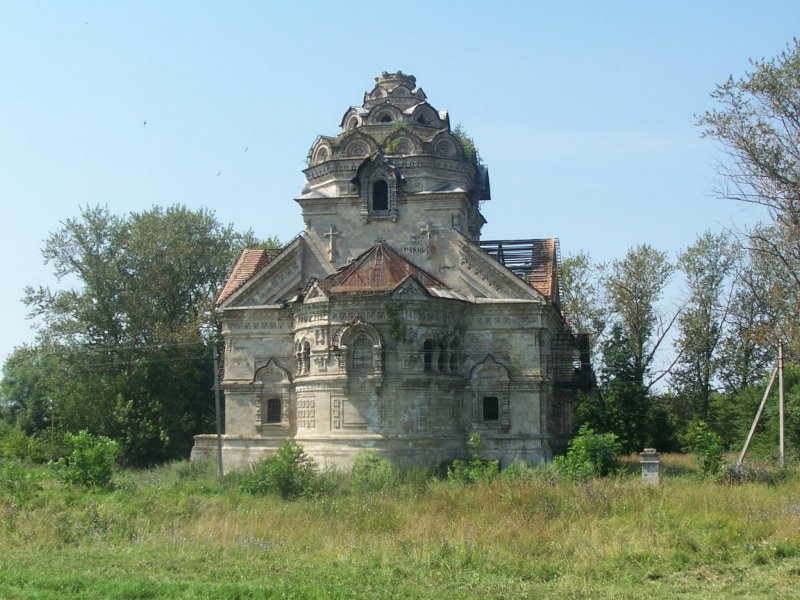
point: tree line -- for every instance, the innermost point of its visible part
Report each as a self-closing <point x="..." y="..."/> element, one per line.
<point x="741" y="294"/>
<point x="123" y="346"/>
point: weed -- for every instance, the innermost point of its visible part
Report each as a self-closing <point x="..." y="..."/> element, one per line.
<point x="474" y="469"/>
<point x="91" y="460"/>
<point x="589" y="455"/>
<point x="706" y="444"/>
<point x="290" y="473"/>
<point x="17" y="480"/>
<point x="372" y="473"/>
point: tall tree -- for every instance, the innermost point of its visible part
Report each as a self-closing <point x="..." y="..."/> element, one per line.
<point x="758" y="124"/>
<point x="707" y="265"/>
<point x="635" y="285"/>
<point x="622" y="406"/>
<point x="133" y="355"/>
<point x="582" y="298"/>
<point x="761" y="313"/>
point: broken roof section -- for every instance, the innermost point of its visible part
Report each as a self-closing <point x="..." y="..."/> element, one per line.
<point x="535" y="261"/>
<point x="380" y="270"/>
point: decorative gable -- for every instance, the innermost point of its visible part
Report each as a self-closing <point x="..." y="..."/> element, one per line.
<point x="274" y="282"/>
<point x="378" y="270"/>
<point x="410" y="289"/>
<point x="314" y="293"/>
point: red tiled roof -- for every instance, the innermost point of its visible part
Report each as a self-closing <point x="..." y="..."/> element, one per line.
<point x="379" y="269"/>
<point x="249" y="263"/>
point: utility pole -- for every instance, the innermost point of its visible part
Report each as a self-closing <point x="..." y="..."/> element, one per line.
<point x="216" y="406"/>
<point x="758" y="417"/>
<point x="778" y="370"/>
<point x="780" y="402"/>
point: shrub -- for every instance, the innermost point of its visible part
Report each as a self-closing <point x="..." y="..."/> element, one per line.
<point x="474" y="469"/>
<point x="289" y="473"/>
<point x="14" y="443"/>
<point x="90" y="462"/>
<point x="706" y="444"/>
<point x="17" y="480"/>
<point x="521" y="470"/>
<point x="372" y="473"/>
<point x="45" y="446"/>
<point x="589" y="455"/>
<point x="747" y="473"/>
<point x="48" y="446"/>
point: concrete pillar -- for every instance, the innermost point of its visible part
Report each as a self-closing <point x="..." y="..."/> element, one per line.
<point x="651" y="464"/>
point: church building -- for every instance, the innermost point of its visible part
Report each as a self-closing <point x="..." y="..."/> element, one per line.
<point x="388" y="323"/>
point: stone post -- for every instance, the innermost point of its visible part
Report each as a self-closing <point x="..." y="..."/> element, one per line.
<point x="651" y="464"/>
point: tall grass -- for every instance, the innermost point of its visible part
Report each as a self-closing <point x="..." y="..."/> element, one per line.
<point x="178" y="531"/>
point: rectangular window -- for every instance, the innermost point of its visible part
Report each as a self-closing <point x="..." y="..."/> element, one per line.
<point x="491" y="408"/>
<point x="274" y="412"/>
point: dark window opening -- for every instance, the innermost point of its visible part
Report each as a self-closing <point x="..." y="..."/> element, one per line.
<point x="453" y="358"/>
<point x="274" y="412"/>
<point x="306" y="358"/>
<point x="386" y="119"/>
<point x="442" y="362"/>
<point x="491" y="408"/>
<point x="380" y="195"/>
<point x="362" y="354"/>
<point x="427" y="355"/>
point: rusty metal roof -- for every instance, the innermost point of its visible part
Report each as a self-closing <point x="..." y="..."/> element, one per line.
<point x="378" y="270"/>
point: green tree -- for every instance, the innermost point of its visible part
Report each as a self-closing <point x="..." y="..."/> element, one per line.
<point x="760" y="308"/>
<point x="26" y="389"/>
<point x="625" y="399"/>
<point x="635" y="285"/>
<point x="131" y="335"/>
<point x="758" y="124"/>
<point x="581" y="297"/>
<point x="707" y="266"/>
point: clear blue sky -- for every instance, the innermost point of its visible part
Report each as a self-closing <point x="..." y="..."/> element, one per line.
<point x="584" y="112"/>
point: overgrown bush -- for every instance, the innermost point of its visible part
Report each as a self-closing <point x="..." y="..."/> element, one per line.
<point x="91" y="460"/>
<point x="45" y="446"/>
<point x="17" y="480"/>
<point x="524" y="471"/>
<point x="289" y="473"/>
<point x="474" y="469"/>
<point x="372" y="473"/>
<point x="706" y="445"/>
<point x="14" y="443"/>
<point x="589" y="455"/>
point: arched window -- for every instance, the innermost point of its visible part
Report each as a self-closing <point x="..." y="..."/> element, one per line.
<point x="453" y="358"/>
<point x="274" y="410"/>
<point x="380" y="195"/>
<point x="386" y="119"/>
<point x="306" y="358"/>
<point x="442" y="361"/>
<point x="362" y="354"/>
<point x="427" y="355"/>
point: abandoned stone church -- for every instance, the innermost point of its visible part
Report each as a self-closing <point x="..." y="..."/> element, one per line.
<point x="388" y="323"/>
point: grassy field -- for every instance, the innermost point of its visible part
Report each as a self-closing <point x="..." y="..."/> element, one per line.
<point x="178" y="532"/>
